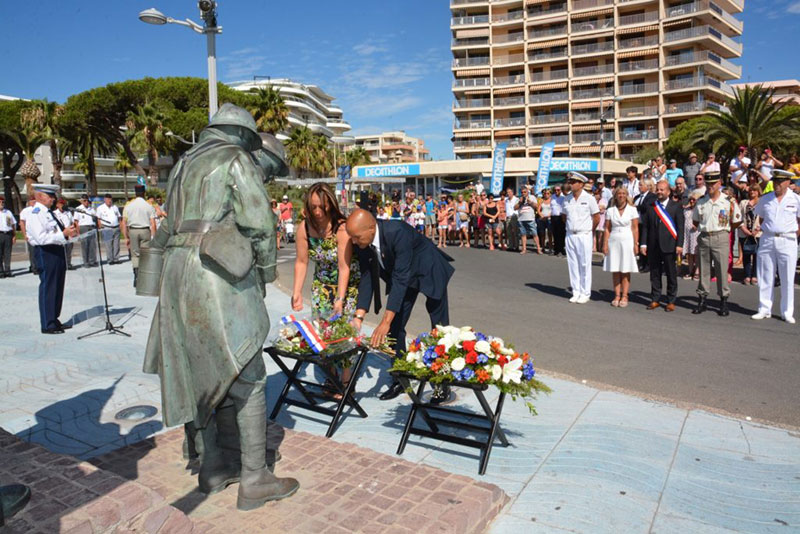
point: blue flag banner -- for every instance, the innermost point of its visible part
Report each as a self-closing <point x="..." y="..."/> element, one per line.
<point x="545" y="162"/>
<point x="498" y="168"/>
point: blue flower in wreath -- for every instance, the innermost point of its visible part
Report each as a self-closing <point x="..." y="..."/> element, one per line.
<point x="481" y="337"/>
<point x="456" y="375"/>
<point x="482" y="358"/>
<point x="429" y="357"/>
<point x="467" y="373"/>
<point x="528" y="371"/>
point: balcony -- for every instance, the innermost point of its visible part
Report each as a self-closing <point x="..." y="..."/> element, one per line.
<point x="536" y="11"/>
<point x="509" y="101"/>
<point x="638" y="65"/>
<point x="545" y="56"/>
<point x="470" y="41"/>
<point x="471" y="82"/>
<point x="465" y="21"/>
<point x="593" y="71"/>
<point x="588" y="4"/>
<point x="550" y="118"/>
<point x="509" y="59"/>
<point x="592" y="25"/>
<point x="638" y="89"/>
<point x="547" y="97"/>
<point x="639" y="18"/>
<point x="639" y="135"/>
<point x="471" y="61"/>
<point x="637" y="42"/>
<point x="509" y="123"/>
<point x="704" y="5"/>
<point x="592" y="137"/>
<point x="586" y="116"/>
<point x="516" y="79"/>
<point x="547" y="32"/>
<point x="539" y="140"/>
<point x="593" y="48"/>
<point x="472" y="103"/>
<point x="703" y="31"/>
<point x="549" y="75"/>
<point x="639" y="111"/>
<point x="462" y="2"/>
<point x="508" y="17"/>
<point x="466" y="144"/>
<point x="475" y="124"/>
<point x="581" y="94"/>
<point x="703" y="56"/>
<point x="508" y="38"/>
<point x="513" y="142"/>
<point x="692" y="107"/>
<point x="696" y="83"/>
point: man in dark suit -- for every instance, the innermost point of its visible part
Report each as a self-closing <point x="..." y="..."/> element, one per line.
<point x="661" y="241"/>
<point x="642" y="201"/>
<point x="409" y="264"/>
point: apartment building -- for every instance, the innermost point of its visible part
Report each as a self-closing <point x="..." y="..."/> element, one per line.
<point x="786" y="91"/>
<point x="308" y="105"/>
<point x="393" y="147"/>
<point x="590" y="75"/>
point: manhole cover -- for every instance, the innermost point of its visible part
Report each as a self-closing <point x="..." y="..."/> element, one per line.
<point x="136" y="413"/>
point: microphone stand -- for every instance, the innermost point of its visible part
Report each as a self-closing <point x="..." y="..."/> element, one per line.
<point x="109" y="327"/>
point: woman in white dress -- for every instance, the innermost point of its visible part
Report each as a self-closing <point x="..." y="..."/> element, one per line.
<point x="621" y="244"/>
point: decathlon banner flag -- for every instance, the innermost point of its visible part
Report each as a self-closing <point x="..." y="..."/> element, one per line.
<point x="545" y="162"/>
<point x="498" y="168"/>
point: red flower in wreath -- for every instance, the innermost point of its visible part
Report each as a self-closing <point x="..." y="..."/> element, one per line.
<point x="502" y="360"/>
<point x="468" y="346"/>
<point x="482" y="376"/>
<point x="439" y="350"/>
<point x="471" y="357"/>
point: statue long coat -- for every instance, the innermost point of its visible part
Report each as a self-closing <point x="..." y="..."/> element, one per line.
<point x="205" y="328"/>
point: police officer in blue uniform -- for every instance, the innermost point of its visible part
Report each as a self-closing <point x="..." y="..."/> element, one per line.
<point x="49" y="235"/>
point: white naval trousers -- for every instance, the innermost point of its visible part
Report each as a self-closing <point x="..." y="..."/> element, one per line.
<point x="776" y="253"/>
<point x="579" y="261"/>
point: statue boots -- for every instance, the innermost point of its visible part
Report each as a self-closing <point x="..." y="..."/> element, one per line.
<point x="228" y="436"/>
<point x="13" y="499"/>
<point x="217" y="471"/>
<point x="257" y="485"/>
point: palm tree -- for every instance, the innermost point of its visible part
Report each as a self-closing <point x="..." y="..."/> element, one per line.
<point x="86" y="143"/>
<point x="300" y="150"/>
<point x="147" y="126"/>
<point x="122" y="163"/>
<point x="43" y="117"/>
<point x="28" y="139"/>
<point x="322" y="156"/>
<point x="269" y="109"/>
<point x="357" y="156"/>
<point x="752" y="120"/>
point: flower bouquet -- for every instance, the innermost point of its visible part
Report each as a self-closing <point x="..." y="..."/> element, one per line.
<point x="460" y="354"/>
<point x="334" y="339"/>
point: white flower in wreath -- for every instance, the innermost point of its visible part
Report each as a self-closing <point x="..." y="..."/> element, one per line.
<point x="497" y="372"/>
<point x="512" y="371"/>
<point x="466" y="335"/>
<point x="445" y="370"/>
<point x="499" y="341"/>
<point x="483" y="347"/>
<point x="413" y="357"/>
<point x="450" y="339"/>
<point x="420" y="365"/>
<point x="506" y="351"/>
<point x="458" y="364"/>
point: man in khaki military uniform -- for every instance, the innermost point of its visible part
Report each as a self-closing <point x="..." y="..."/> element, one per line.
<point x="138" y="227"/>
<point x="714" y="216"/>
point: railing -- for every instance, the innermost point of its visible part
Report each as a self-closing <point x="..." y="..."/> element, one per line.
<point x="642" y="64"/>
<point x="509" y="80"/>
<point x="550" y="118"/>
<point x="685" y="107"/>
<point x="471" y="41"/>
<point x="471" y="61"/>
<point x="639" y="111"/>
<point x="638" y="88"/>
<point x="472" y="143"/>
<point x="584" y="116"/>
<point x="548" y="32"/>
<point x="689" y="83"/>
<point x="591" y="137"/>
<point x="511" y="58"/>
<point x="477" y="19"/>
<point x="542" y="139"/>
<point x="538" y="11"/>
<point x="507" y="123"/>
<point x="510" y="101"/>
<point x="702" y="31"/>
<point x="594" y="70"/>
<point x="472" y="82"/>
<point x="638" y="135"/>
<point x="547" y="97"/>
<point x="635" y="42"/>
<point x="541" y="56"/>
<point x="549" y="75"/>
<point x="593" y="48"/>
<point x="592" y="25"/>
<point x="586" y="4"/>
<point x="508" y="38"/>
<point x="578" y="94"/>
<point x="727" y="17"/>
<point x="473" y="103"/>
<point x="639" y="18"/>
<point x="99" y="174"/>
<point x="460" y="2"/>
<point x="702" y="5"/>
<point x="705" y="55"/>
<point x="506" y="17"/>
<point x="472" y="124"/>
<point x="514" y="142"/>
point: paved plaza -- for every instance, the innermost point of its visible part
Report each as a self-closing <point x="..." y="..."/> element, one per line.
<point x="593" y="461"/>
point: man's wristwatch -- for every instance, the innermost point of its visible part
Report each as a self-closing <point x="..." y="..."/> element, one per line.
<point x="360" y="317"/>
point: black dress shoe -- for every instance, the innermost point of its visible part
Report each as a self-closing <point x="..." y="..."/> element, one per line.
<point x="64" y="326"/>
<point x="724" y="311"/>
<point x="702" y="306"/>
<point x="52" y="330"/>
<point x="394" y="390"/>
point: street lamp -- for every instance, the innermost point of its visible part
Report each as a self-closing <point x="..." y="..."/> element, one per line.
<point x="208" y="12"/>
<point x="169" y="133"/>
<point x="603" y="121"/>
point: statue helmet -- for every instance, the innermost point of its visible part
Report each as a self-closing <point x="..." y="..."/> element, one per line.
<point x="231" y="115"/>
<point x="275" y="152"/>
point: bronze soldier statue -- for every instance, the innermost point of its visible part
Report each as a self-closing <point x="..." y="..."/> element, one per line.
<point x="219" y="250"/>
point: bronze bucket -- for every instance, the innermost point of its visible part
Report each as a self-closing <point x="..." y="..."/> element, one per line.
<point x="151" y="260"/>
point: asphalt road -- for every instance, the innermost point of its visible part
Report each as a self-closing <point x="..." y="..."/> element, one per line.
<point x="734" y="364"/>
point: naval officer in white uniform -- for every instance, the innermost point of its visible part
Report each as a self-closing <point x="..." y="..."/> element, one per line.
<point x="581" y="215"/>
<point x="779" y="212"/>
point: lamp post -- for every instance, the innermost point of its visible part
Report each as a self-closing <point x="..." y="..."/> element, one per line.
<point x="208" y="12"/>
<point x="603" y="121"/>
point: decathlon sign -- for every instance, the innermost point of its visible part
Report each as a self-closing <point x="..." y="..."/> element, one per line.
<point x="387" y="171"/>
<point x="577" y="165"/>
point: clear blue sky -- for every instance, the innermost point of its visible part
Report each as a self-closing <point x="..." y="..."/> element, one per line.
<point x="386" y="62"/>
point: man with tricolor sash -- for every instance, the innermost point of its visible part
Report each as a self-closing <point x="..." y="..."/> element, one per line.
<point x="661" y="240"/>
<point x="714" y="216"/>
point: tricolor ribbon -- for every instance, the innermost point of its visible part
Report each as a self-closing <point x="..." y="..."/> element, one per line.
<point x="308" y="332"/>
<point x="666" y="219"/>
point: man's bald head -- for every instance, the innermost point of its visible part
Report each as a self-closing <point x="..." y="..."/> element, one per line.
<point x="361" y="227"/>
